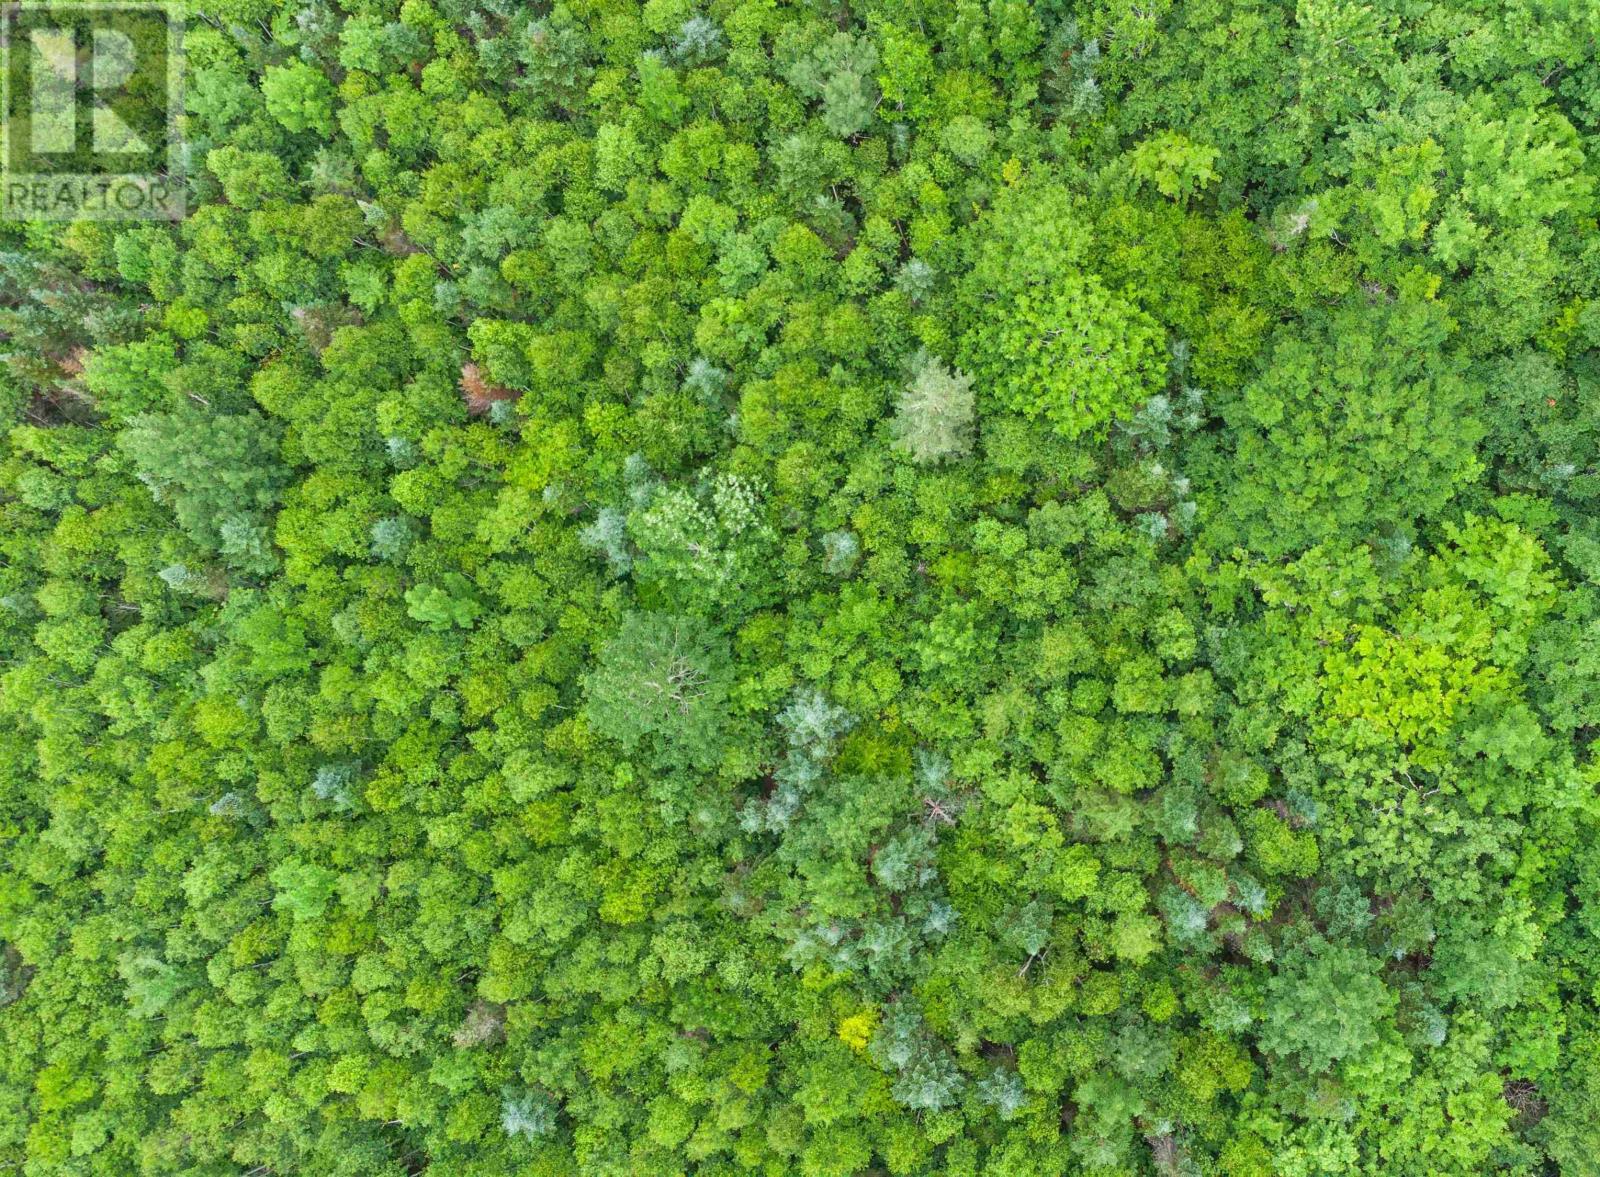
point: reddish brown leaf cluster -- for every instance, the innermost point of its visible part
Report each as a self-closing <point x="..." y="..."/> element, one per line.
<point x="479" y="393"/>
<point x="72" y="363"/>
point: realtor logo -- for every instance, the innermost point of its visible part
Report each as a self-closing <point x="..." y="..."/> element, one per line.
<point x="90" y="96"/>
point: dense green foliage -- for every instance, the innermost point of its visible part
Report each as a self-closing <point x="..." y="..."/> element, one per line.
<point x="739" y="587"/>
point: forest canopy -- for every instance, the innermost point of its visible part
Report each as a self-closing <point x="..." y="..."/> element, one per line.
<point x="741" y="587"/>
